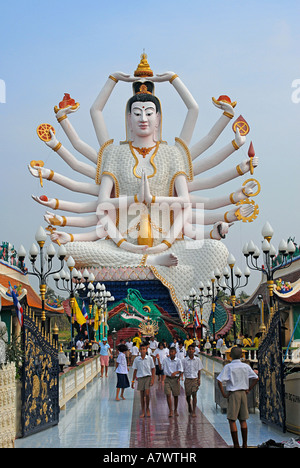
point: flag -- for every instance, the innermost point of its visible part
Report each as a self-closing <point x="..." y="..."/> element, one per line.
<point x="84" y="312"/>
<point x="17" y="305"/>
<point x="78" y="314"/>
<point x="197" y="321"/>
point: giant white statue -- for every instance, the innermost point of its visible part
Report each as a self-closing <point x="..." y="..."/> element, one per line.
<point x="147" y="208"/>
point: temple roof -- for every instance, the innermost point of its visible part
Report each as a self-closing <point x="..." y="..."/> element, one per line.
<point x="289" y="296"/>
<point x="20" y="282"/>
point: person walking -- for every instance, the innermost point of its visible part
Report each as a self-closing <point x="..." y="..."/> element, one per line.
<point x="160" y="354"/>
<point x="192" y="366"/>
<point x="172" y="368"/>
<point x="105" y="353"/>
<point x="237" y="374"/>
<point x="144" y="371"/>
<point x="122" y="371"/>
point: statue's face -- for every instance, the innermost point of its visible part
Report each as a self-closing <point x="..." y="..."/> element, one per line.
<point x="143" y="119"/>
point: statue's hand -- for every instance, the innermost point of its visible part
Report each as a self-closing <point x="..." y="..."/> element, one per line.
<point x="50" y="203"/>
<point x="36" y="171"/>
<point x="245" y="165"/>
<point x="160" y="77"/>
<point x="60" y="237"/>
<point x="67" y="110"/>
<point x="53" y="142"/>
<point x="53" y="219"/>
<point x="141" y="194"/>
<point x="225" y="106"/>
<point x="220" y="229"/>
<point x="139" y="249"/>
<point x="147" y="193"/>
<point x="244" y="192"/>
<point x="120" y="76"/>
<point x="239" y="139"/>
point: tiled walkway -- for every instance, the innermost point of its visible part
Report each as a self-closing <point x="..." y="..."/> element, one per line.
<point x="96" y="420"/>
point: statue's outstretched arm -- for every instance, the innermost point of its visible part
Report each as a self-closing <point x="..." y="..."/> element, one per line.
<point x="74" y="221"/>
<point x="192" y="106"/>
<point x="64" y="237"/>
<point x="73" y="207"/>
<point x="213" y="203"/>
<point x="99" y="104"/>
<point x="229" y="217"/>
<point x="215" y="131"/>
<point x="216" y="180"/>
<point x="218" y="232"/>
<point x="81" y="187"/>
<point x="203" y="165"/>
<point x="80" y="146"/>
<point x="68" y="157"/>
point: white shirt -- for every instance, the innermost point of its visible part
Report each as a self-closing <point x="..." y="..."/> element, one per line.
<point x="181" y="353"/>
<point x="79" y="344"/>
<point x="143" y="366"/>
<point x="161" y="353"/>
<point x="236" y="374"/>
<point x="219" y="343"/>
<point x="170" y="366"/>
<point x="191" y="367"/>
<point x="135" y="351"/>
<point x="153" y="344"/>
<point x="122" y="367"/>
<point x="129" y="345"/>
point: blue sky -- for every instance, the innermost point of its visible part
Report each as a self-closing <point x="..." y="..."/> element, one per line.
<point x="247" y="51"/>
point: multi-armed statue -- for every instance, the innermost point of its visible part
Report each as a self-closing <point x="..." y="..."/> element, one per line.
<point x="145" y="210"/>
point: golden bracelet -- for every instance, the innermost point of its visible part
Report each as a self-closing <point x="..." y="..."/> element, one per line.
<point x="136" y="199"/>
<point x="210" y="234"/>
<point x="167" y="243"/>
<point x="63" y="117"/>
<point x="239" y="170"/>
<point x="225" y="217"/>
<point x="236" y="147"/>
<point x="231" y="199"/>
<point x="153" y="199"/>
<point x="113" y="78"/>
<point x="121" y="242"/>
<point x="173" y="78"/>
<point x="64" y="221"/>
<point x="57" y="147"/>
<point x="227" y="114"/>
<point x="51" y="175"/>
<point x="72" y="237"/>
<point x="56" y="204"/>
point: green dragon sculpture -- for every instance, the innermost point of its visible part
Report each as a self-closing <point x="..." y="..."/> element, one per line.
<point x="134" y="310"/>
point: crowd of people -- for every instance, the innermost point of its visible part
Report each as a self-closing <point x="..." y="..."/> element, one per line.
<point x="180" y="360"/>
<point x="171" y="363"/>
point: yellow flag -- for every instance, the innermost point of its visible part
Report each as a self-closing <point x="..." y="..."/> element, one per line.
<point x="78" y="314"/>
<point x="96" y="321"/>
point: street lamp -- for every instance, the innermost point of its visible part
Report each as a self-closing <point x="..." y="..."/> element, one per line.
<point x="252" y="254"/>
<point x="231" y="281"/>
<point x="46" y="264"/>
<point x="192" y="301"/>
<point x="69" y="286"/>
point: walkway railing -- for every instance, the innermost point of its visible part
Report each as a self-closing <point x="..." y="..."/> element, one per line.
<point x="76" y="379"/>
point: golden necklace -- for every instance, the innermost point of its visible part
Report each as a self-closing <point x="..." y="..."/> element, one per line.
<point x="143" y="151"/>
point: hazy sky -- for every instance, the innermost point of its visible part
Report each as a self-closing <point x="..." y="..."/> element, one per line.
<point x="247" y="50"/>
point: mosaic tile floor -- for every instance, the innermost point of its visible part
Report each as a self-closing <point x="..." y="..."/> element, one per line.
<point x="95" y="420"/>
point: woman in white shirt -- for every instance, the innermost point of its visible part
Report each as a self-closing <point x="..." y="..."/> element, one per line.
<point x="160" y="354"/>
<point x="122" y="371"/>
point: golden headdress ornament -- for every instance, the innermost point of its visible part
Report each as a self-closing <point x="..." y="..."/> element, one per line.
<point x="143" y="70"/>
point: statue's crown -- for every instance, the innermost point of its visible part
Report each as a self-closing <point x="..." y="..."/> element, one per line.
<point x="143" y="70"/>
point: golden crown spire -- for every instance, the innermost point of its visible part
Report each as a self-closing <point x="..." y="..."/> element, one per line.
<point x="143" y="70"/>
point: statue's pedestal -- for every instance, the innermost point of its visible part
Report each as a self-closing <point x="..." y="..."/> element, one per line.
<point x="7" y="405"/>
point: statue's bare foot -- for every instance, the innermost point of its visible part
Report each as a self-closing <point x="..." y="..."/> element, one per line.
<point x="168" y="259"/>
